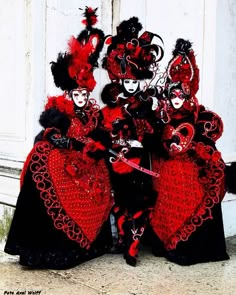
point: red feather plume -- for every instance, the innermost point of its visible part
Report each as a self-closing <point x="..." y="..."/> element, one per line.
<point x="80" y="69"/>
<point x="90" y="16"/>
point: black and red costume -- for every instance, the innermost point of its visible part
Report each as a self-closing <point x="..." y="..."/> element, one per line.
<point x="125" y="117"/>
<point x="187" y="217"/>
<point x="62" y="212"/>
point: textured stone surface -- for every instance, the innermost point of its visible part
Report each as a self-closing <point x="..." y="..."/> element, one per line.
<point x="110" y="275"/>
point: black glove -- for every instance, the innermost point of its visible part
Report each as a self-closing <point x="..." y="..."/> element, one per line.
<point x="119" y="125"/>
<point x="57" y="140"/>
<point x="174" y="139"/>
<point x="62" y="142"/>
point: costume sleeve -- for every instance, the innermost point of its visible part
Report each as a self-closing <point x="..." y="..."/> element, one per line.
<point x="53" y="118"/>
<point x="209" y="127"/>
<point x="56" y="124"/>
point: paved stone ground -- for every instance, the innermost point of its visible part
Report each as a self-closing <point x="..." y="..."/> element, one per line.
<point x="110" y="275"/>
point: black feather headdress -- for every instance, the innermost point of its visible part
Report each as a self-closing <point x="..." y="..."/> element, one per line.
<point x="130" y="56"/>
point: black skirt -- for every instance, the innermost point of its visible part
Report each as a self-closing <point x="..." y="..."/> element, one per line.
<point x="38" y="243"/>
<point x="206" y="244"/>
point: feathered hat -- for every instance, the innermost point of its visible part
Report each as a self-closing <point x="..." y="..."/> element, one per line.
<point x="74" y="68"/>
<point x="130" y="56"/>
<point x="182" y="70"/>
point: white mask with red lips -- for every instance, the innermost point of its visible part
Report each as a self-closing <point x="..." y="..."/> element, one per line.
<point x="79" y="97"/>
<point x="177" y="98"/>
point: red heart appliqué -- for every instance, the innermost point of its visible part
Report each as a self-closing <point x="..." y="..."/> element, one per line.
<point x="177" y="140"/>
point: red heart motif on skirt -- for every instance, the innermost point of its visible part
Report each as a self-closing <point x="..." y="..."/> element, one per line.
<point x="179" y="195"/>
<point x="84" y="192"/>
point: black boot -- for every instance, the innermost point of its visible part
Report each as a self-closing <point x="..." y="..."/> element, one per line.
<point x="134" y="228"/>
<point x="118" y="241"/>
